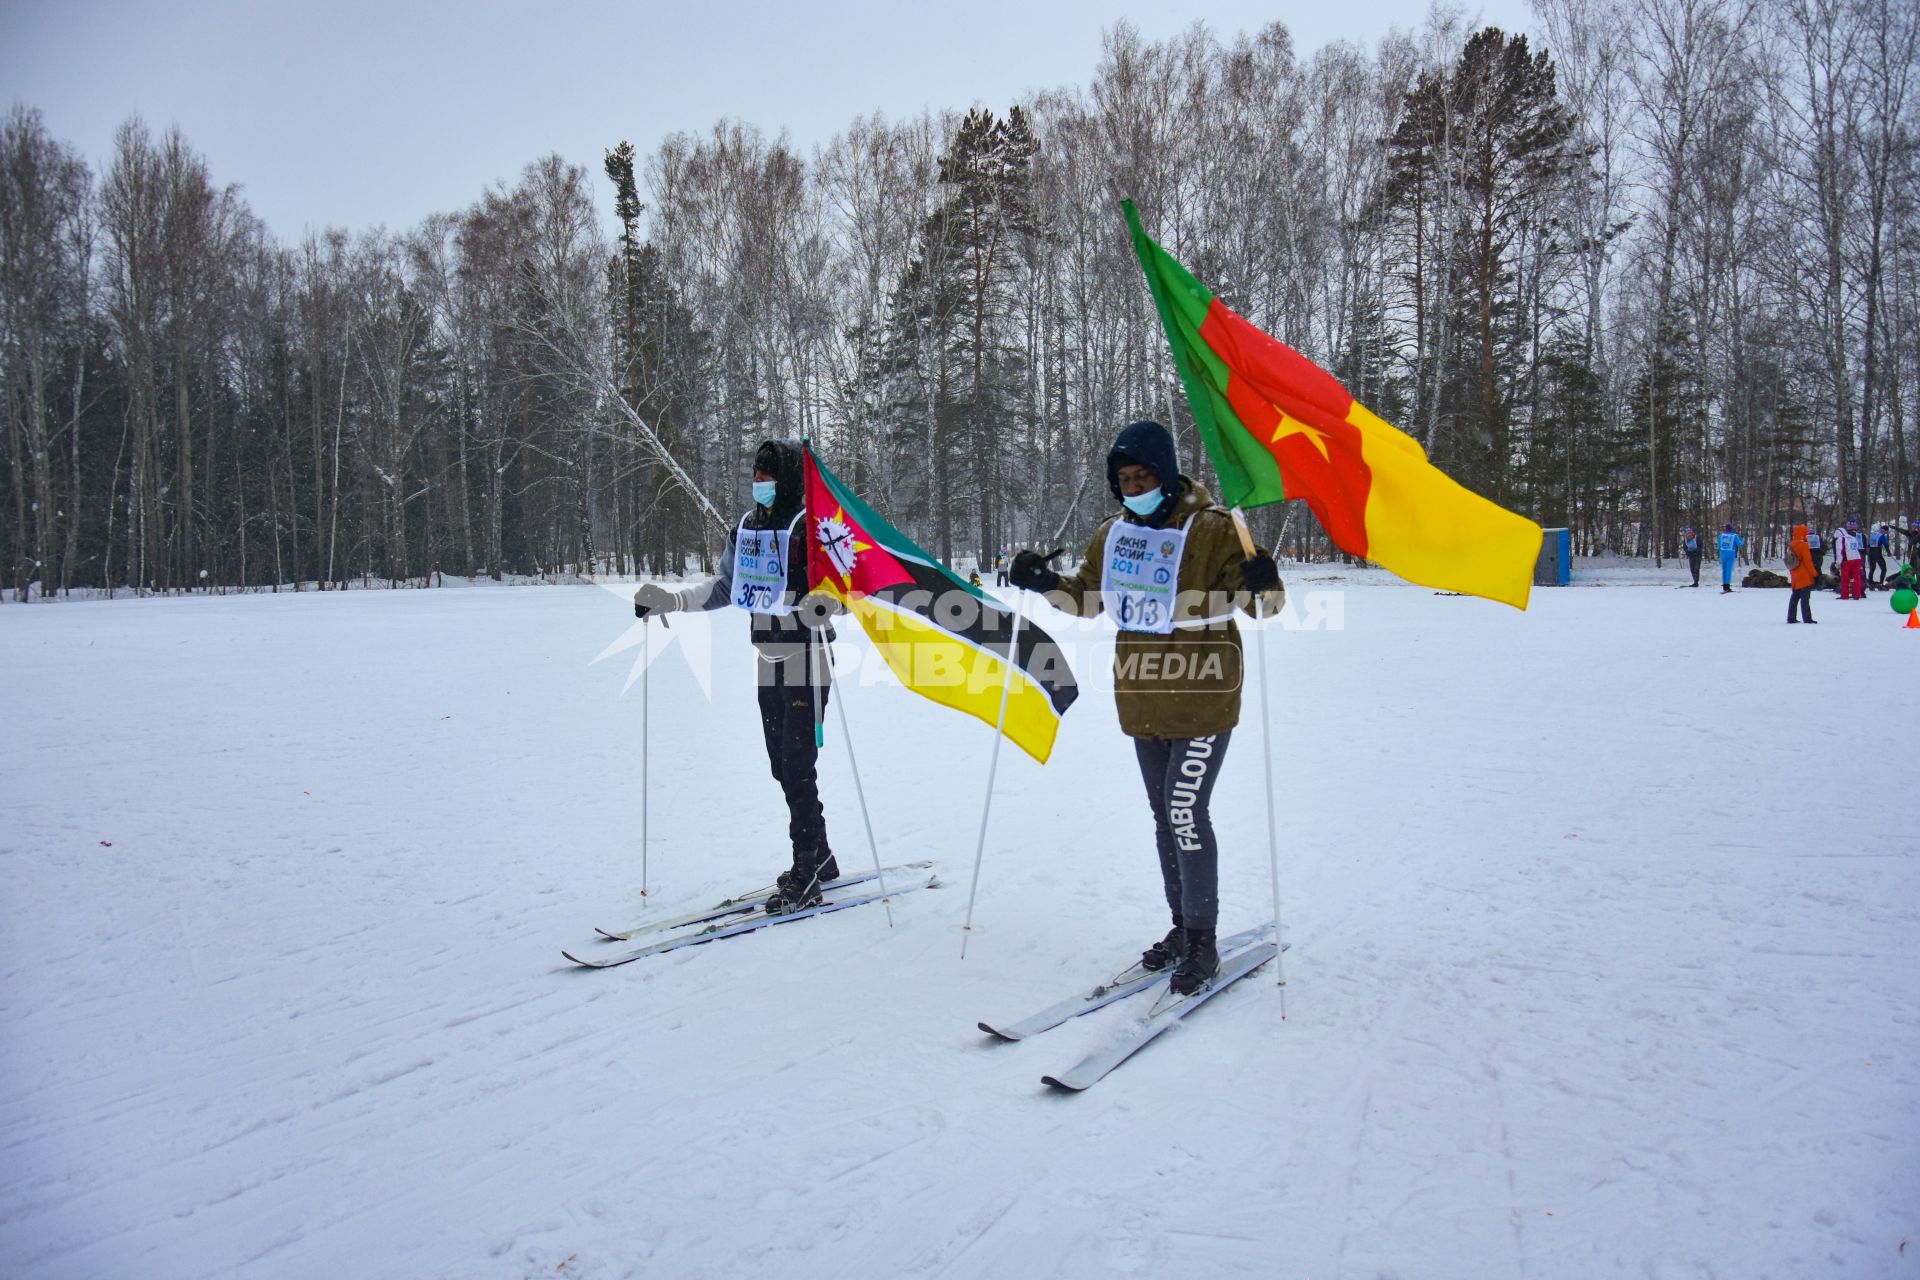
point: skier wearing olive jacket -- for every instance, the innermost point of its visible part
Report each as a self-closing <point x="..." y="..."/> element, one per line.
<point x="1170" y="569"/>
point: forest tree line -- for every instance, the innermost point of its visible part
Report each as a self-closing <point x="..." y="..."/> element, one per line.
<point x="1657" y="264"/>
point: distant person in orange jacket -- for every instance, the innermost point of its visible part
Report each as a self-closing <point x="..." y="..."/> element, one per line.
<point x="1802" y="574"/>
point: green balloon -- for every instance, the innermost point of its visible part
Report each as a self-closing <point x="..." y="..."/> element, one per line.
<point x="1906" y="600"/>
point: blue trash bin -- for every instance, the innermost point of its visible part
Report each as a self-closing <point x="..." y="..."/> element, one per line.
<point x="1555" y="566"/>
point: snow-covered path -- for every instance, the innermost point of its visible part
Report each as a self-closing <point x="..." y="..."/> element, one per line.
<point x="1605" y="925"/>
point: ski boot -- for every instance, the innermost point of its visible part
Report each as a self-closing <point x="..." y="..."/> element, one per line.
<point x="1166" y="952"/>
<point x="1199" y="965"/>
<point x="798" y="887"/>
<point x="794" y="890"/>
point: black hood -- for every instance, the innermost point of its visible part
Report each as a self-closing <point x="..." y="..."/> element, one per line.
<point x="781" y="460"/>
<point x="1149" y="445"/>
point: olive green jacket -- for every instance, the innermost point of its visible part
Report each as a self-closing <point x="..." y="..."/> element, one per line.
<point x="1186" y="684"/>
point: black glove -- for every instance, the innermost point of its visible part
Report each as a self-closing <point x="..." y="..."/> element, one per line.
<point x="1030" y="571"/>
<point x="1260" y="573"/>
<point x="654" y="599"/>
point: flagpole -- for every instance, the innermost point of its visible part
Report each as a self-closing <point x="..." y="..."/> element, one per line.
<point x="993" y="766"/>
<point x="873" y="845"/>
<point x="1266" y="751"/>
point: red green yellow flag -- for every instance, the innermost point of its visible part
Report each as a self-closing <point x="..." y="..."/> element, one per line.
<point x="1278" y="426"/>
<point x="943" y="637"/>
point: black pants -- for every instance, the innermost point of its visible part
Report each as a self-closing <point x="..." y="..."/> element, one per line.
<point x="1802" y="598"/>
<point x="786" y="718"/>
<point x="1819" y="554"/>
<point x="1693" y="563"/>
<point x="1180" y="773"/>
<point x="1876" y="564"/>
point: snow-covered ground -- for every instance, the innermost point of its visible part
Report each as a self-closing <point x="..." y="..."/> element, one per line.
<point x="1605" y="923"/>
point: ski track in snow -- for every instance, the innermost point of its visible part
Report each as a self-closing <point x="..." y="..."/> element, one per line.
<point x="1605" y="925"/>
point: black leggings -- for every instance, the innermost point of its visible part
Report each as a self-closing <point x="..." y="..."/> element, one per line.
<point x="786" y="719"/>
<point x="1802" y="598"/>
<point x="1180" y="773"/>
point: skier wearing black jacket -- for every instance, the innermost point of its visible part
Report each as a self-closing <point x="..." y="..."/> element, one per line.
<point x="764" y="571"/>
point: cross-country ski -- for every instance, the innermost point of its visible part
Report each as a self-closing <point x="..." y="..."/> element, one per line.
<point x="1095" y="1066"/>
<point x="1128" y="982"/>
<point x="762" y="920"/>
<point x="753" y="900"/>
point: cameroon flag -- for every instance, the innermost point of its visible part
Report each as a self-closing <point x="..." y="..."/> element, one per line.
<point x="943" y="637"/>
<point x="1279" y="426"/>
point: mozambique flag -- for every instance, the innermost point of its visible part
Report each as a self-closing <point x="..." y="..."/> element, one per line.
<point x="1279" y="426"/>
<point x="943" y="637"/>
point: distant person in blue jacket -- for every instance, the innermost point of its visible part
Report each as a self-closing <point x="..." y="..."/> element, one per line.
<point x="1730" y="544"/>
<point x="1877" y="543"/>
<point x="1690" y="543"/>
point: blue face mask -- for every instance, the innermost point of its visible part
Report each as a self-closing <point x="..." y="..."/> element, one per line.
<point x="764" y="490"/>
<point x="1144" y="504"/>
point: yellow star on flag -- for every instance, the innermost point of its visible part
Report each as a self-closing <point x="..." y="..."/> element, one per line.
<point x="1288" y="426"/>
<point x="842" y="548"/>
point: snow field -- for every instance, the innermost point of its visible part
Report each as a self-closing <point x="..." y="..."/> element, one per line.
<point x="1605" y="958"/>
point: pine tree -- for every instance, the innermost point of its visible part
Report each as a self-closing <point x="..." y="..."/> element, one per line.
<point x="1476" y="166"/>
<point x="951" y="313"/>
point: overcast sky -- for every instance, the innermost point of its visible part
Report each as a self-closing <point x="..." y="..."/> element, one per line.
<point x="361" y="112"/>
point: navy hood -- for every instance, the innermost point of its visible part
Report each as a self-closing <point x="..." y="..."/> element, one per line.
<point x="781" y="460"/>
<point x="1150" y="445"/>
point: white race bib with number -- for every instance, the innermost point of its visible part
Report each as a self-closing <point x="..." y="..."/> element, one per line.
<point x="1141" y="575"/>
<point x="760" y="569"/>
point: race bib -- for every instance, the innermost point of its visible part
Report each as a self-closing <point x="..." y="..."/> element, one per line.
<point x="1141" y="575"/>
<point x="760" y="569"/>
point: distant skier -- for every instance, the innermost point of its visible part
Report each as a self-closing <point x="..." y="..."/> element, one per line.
<point x="1801" y="575"/>
<point x="1690" y="543"/>
<point x="1170" y="569"/>
<point x="1877" y="542"/>
<point x="1730" y="544"/>
<point x="764" y="572"/>
<point x="1911" y="532"/>
<point x="1849" y="561"/>
<point x="1819" y="549"/>
<point x="1000" y="568"/>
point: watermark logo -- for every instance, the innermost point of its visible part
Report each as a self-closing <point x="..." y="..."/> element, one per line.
<point x="1092" y="651"/>
<point x="650" y="639"/>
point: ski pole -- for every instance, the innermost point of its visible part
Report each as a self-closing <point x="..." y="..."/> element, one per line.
<point x="993" y="765"/>
<point x="1266" y="751"/>
<point x="860" y="791"/>
<point x="646" y="665"/>
<point x="646" y="672"/>
<point x="813" y="685"/>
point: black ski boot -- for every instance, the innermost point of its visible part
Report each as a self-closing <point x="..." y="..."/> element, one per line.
<point x="1199" y="965"/>
<point x="799" y="886"/>
<point x="1166" y="952"/>
<point x="795" y="890"/>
